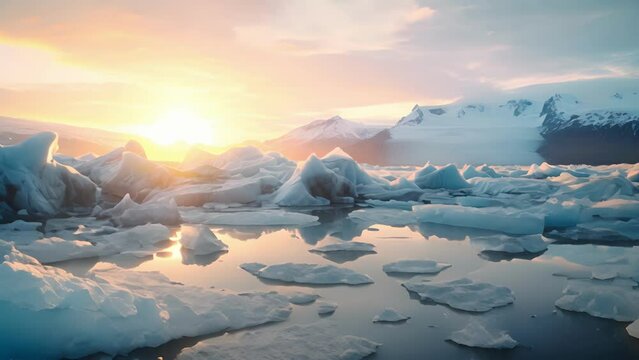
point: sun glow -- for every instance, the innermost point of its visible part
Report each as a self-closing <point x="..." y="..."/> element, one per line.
<point x="181" y="126"/>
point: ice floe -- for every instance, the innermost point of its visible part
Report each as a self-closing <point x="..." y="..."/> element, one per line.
<point x="112" y="310"/>
<point x="346" y="246"/>
<point x="301" y="298"/>
<point x="415" y="266"/>
<point x="447" y="177"/>
<point x="317" y="341"/>
<point x="248" y="218"/>
<point x="477" y="335"/>
<point x="391" y="217"/>
<point x="200" y="240"/>
<point x="510" y="221"/>
<point x="463" y="294"/>
<point x="633" y="329"/>
<point x="511" y="244"/>
<point x="616" y="299"/>
<point x="307" y="274"/>
<point x="390" y="315"/>
<point x="326" y="308"/>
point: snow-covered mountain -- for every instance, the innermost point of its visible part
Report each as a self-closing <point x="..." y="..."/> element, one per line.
<point x="594" y="122"/>
<point x="321" y="136"/>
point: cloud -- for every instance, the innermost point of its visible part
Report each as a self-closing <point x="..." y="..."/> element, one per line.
<point x="309" y="27"/>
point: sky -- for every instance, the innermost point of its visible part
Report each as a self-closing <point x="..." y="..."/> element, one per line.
<point x="223" y="72"/>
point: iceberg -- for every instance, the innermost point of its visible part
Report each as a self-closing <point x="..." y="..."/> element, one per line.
<point x="390" y="315"/>
<point x="307" y="274"/>
<point x="31" y="180"/>
<point x="463" y="294"/>
<point x="633" y="329"/>
<point x="616" y="208"/>
<point x="317" y="341"/>
<point x="54" y="249"/>
<point x="113" y="311"/>
<point x="128" y="213"/>
<point x="347" y="246"/>
<point x="390" y="217"/>
<point x="200" y="240"/>
<point x="476" y="335"/>
<point x="511" y="244"/>
<point x="415" y="267"/>
<point x="505" y="220"/>
<point x="447" y="177"/>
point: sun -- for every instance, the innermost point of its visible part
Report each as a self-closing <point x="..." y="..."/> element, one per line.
<point x="181" y="126"/>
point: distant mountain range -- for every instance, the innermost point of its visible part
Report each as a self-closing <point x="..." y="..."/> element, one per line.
<point x="592" y="122"/>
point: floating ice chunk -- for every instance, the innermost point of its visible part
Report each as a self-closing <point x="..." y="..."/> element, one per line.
<point x="390" y="217"/>
<point x="478" y="201"/>
<point x="307" y="274"/>
<point x="510" y="221"/>
<point x="415" y="267"/>
<point x="618" y="208"/>
<point x="447" y="177"/>
<point x="302" y="298"/>
<point x="604" y="230"/>
<point x="249" y="218"/>
<point x="512" y="244"/>
<point x="560" y="214"/>
<point x="135" y="238"/>
<point x="546" y="170"/>
<point x="128" y="213"/>
<point x="326" y="308"/>
<point x="390" y="315"/>
<point x="476" y="335"/>
<point x="50" y="250"/>
<point x="316" y="341"/>
<point x="633" y="329"/>
<point x="242" y="191"/>
<point x="533" y="187"/>
<point x="616" y="299"/>
<point x="394" y="204"/>
<point x="200" y="240"/>
<point x="32" y="180"/>
<point x="112" y="310"/>
<point x="463" y="294"/>
<point x="349" y="246"/>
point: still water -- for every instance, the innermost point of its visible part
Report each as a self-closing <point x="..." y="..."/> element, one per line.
<point x="542" y="330"/>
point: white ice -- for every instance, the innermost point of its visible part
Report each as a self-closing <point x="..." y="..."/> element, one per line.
<point x="307" y="274"/>
<point x="317" y="341"/>
<point x="415" y="266"/>
<point x="505" y="220"/>
<point x="463" y="294"/>
<point x="633" y="329"/>
<point x="477" y="335"/>
<point x="200" y="240"/>
<point x="390" y="315"/>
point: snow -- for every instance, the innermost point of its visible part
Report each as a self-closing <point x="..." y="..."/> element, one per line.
<point x="390" y="315"/>
<point x="31" y="180"/>
<point x="248" y="218"/>
<point x="200" y="240"/>
<point x="383" y="216"/>
<point x="616" y="299"/>
<point x="447" y="177"/>
<point x="477" y="335"/>
<point x="505" y="220"/>
<point x="335" y="128"/>
<point x="307" y="274"/>
<point x="317" y="341"/>
<point x="463" y="294"/>
<point x="112" y="310"/>
<point x="347" y="246"/>
<point x="128" y="213"/>
<point x="326" y="308"/>
<point x="511" y="244"/>
<point x="415" y="266"/>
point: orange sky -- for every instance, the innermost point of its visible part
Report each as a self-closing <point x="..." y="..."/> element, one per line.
<point x="254" y="69"/>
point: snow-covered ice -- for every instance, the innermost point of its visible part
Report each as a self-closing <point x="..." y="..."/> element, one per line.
<point x="307" y="274"/>
<point x="112" y="310"/>
<point x="317" y="341"/>
<point x="200" y="240"/>
<point x="390" y="315"/>
<point x="415" y="266"/>
<point x="463" y="294"/>
<point x="476" y="334"/>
